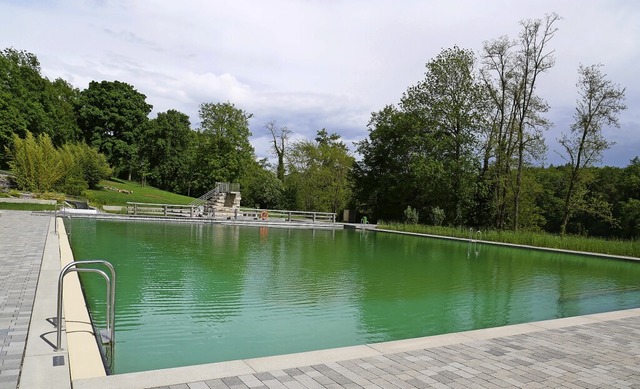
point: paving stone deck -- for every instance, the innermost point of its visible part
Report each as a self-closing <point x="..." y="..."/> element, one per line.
<point x="598" y="355"/>
<point x="22" y="239"/>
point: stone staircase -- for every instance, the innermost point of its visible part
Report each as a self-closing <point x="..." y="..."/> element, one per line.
<point x="224" y="198"/>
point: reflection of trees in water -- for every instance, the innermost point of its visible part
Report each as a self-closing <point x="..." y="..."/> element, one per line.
<point x="416" y="286"/>
<point x="165" y="268"/>
<point x="288" y="266"/>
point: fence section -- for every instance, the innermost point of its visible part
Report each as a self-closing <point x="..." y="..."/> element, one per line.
<point x="204" y="211"/>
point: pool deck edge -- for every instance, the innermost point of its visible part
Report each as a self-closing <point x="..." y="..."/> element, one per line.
<point x="212" y="371"/>
<point x="85" y="360"/>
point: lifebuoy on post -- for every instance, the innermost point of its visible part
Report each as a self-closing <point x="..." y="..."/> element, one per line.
<point x="264" y="215"/>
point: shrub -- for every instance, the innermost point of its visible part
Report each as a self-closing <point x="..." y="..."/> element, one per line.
<point x="39" y="167"/>
<point x="411" y="215"/>
<point x="36" y="163"/>
<point x="437" y="216"/>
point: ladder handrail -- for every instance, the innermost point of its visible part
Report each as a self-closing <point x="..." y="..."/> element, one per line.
<point x="111" y="294"/>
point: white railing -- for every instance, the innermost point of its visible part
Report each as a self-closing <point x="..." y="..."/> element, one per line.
<point x="165" y="210"/>
<point x="284" y="215"/>
<point x="203" y="211"/>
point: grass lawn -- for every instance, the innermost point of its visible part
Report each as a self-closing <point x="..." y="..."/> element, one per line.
<point x="27" y="207"/>
<point x="132" y="192"/>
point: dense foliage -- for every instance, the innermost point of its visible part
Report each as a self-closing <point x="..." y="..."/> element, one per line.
<point x="463" y="147"/>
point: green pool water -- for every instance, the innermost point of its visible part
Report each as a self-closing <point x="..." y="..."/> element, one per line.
<point x="198" y="293"/>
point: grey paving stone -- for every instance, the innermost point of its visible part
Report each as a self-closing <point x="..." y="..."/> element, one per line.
<point x="22" y="238"/>
<point x="216" y="384"/>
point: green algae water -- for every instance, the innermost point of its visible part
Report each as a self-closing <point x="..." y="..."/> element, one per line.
<point x="199" y="293"/>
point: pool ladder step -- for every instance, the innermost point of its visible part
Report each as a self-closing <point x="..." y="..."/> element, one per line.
<point x="107" y="336"/>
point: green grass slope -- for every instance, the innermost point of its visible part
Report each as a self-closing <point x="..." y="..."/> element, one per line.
<point x="119" y="192"/>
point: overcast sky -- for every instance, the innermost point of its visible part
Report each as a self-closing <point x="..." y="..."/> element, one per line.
<point x="312" y="64"/>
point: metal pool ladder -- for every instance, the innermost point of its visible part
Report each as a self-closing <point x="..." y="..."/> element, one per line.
<point x="107" y="336"/>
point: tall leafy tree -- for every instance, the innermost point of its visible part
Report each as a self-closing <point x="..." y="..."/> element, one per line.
<point x="423" y="153"/>
<point x="511" y="72"/>
<point x="261" y="188"/>
<point x="383" y="177"/>
<point x="449" y="108"/>
<point x="599" y="105"/>
<point x="222" y="152"/>
<point x="20" y="88"/>
<point x="319" y="171"/>
<point x="111" y="115"/>
<point x="61" y="100"/>
<point x="31" y="103"/>
<point x="165" y="149"/>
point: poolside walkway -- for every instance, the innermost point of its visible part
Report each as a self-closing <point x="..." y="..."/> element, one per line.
<point x="593" y="351"/>
<point x="602" y="352"/>
<point x="22" y="240"/>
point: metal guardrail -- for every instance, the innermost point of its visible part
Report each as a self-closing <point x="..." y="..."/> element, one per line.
<point x="204" y="211"/>
<point x="111" y="296"/>
<point x="285" y="215"/>
<point x="165" y="210"/>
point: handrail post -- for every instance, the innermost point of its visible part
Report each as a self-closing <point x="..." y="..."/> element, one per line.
<point x="55" y="220"/>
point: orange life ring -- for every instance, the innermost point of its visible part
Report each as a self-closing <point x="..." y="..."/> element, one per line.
<point x="264" y="215"/>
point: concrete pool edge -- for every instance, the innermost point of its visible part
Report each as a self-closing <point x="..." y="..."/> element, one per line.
<point x="180" y="375"/>
<point x="85" y="360"/>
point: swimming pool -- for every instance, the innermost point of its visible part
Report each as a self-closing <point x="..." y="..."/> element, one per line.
<point x="199" y="293"/>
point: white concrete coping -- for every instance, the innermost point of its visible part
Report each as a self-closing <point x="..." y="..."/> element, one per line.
<point x="23" y="201"/>
<point x="73" y="211"/>
<point x="85" y="360"/>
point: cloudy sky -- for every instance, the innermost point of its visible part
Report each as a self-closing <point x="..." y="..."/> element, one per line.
<point x="312" y="64"/>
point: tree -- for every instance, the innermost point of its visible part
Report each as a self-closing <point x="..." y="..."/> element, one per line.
<point x="423" y="153"/>
<point x="60" y="102"/>
<point x="167" y="140"/>
<point x="83" y="167"/>
<point x="319" y="171"/>
<point x="279" y="145"/>
<point x="599" y="105"/>
<point x="261" y="188"/>
<point x="449" y="109"/>
<point x="222" y="152"/>
<point x="31" y="103"/>
<point x="383" y="180"/>
<point x="511" y="71"/>
<point x="111" y="115"/>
